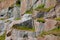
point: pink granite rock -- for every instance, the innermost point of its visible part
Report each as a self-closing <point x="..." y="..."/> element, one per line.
<point x="49" y="24"/>
<point x="6" y="4"/>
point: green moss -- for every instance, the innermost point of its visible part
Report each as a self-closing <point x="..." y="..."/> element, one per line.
<point x="28" y="12"/>
<point x="57" y="19"/>
<point x="55" y="31"/>
<point x="40" y="6"/>
<point x="41" y="20"/>
<point x="1" y="18"/>
<point x="43" y="33"/>
<point x="18" y="3"/>
<point x="2" y="37"/>
<point x="42" y="9"/>
<point x="48" y="9"/>
<point x="23" y="28"/>
<point x="17" y="18"/>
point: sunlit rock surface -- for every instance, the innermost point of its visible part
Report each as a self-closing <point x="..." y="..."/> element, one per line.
<point x="49" y="24"/>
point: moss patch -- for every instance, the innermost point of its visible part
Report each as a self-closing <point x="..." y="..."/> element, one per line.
<point x="2" y="37"/>
<point x="40" y="6"/>
<point x="55" y="32"/>
<point x="2" y="19"/>
<point x="41" y="20"/>
<point x="42" y="9"/>
<point x="28" y="12"/>
<point x="23" y="28"/>
<point x="57" y="19"/>
<point x="17" y="18"/>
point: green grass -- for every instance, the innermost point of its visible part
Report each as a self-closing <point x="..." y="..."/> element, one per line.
<point x="40" y="6"/>
<point x="1" y="18"/>
<point x="2" y="37"/>
<point x="23" y="28"/>
<point x="42" y="9"/>
<point x="29" y="11"/>
<point x="41" y="20"/>
<point x="55" y="31"/>
<point x="57" y="19"/>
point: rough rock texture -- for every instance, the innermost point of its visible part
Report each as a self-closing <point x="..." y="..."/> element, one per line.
<point x="26" y="4"/>
<point x="6" y="4"/>
<point x="58" y="11"/>
<point x="36" y="5"/>
<point x="50" y="3"/>
<point x="49" y="37"/>
<point x="19" y="35"/>
<point x="23" y="6"/>
<point x="35" y="13"/>
<point x="49" y="24"/>
<point x="50" y="14"/>
<point x="55" y="12"/>
<point x="38" y="27"/>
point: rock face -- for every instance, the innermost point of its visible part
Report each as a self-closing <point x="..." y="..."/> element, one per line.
<point x="26" y="5"/>
<point x="19" y="35"/>
<point x="58" y="11"/>
<point x="3" y="12"/>
<point x="6" y="3"/>
<point x="16" y="12"/>
<point x="50" y="3"/>
<point x="39" y="27"/>
<point x="49" y="37"/>
<point x="49" y="24"/>
<point x="51" y="14"/>
<point x="23" y="6"/>
<point x="29" y="20"/>
<point x="2" y="28"/>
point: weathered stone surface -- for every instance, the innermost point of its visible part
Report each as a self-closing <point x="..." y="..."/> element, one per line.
<point x="49" y="37"/>
<point x="6" y="3"/>
<point x="35" y="13"/>
<point x="58" y="11"/>
<point x="19" y="35"/>
<point x="50" y="14"/>
<point x="50" y="3"/>
<point x="37" y="3"/>
<point x="38" y="27"/>
<point x="49" y="24"/>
